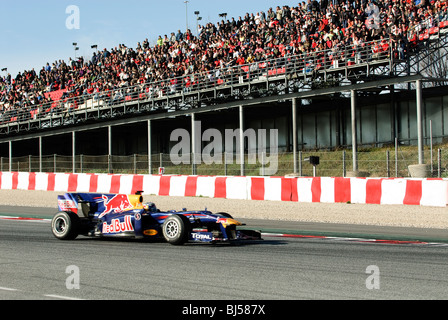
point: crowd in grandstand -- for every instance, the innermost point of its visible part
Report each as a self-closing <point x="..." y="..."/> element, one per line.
<point x="309" y="27"/>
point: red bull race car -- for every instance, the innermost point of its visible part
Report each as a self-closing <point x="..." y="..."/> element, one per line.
<point x="118" y="215"/>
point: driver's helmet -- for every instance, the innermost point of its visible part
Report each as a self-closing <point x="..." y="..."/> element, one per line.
<point x="150" y="207"/>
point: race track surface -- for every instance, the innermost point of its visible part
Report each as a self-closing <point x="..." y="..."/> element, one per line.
<point x="36" y="266"/>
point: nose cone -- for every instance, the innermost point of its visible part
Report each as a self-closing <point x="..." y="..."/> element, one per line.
<point x="229" y="222"/>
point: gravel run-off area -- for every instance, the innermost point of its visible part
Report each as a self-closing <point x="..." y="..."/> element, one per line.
<point x="377" y="215"/>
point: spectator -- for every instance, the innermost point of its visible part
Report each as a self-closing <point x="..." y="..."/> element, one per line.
<point x="278" y="33"/>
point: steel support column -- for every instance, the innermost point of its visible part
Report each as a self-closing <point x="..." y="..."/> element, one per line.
<point x="40" y="153"/>
<point x="294" y="134"/>
<point x="74" y="151"/>
<point x="149" y="147"/>
<point x="421" y="155"/>
<point x="242" y="149"/>
<point x="109" y="143"/>
<point x="354" y="131"/>
<point x="10" y="156"/>
<point x="195" y="143"/>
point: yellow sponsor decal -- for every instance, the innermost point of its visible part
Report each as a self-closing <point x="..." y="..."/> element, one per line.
<point x="150" y="233"/>
<point x="228" y="222"/>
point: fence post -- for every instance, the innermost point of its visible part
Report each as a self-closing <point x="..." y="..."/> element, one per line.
<point x="439" y="161"/>
<point x="54" y="162"/>
<point x="225" y="164"/>
<point x="396" y="157"/>
<point x="109" y="163"/>
<point x="40" y="154"/>
<point x="344" y="168"/>
<point x="432" y="147"/>
<point x="388" y="163"/>
<point x="263" y="157"/>
<point x="10" y="156"/>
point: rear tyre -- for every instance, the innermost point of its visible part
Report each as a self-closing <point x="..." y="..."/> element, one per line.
<point x="66" y="226"/>
<point x="176" y="230"/>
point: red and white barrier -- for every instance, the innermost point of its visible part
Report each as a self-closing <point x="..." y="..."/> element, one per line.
<point x="424" y="192"/>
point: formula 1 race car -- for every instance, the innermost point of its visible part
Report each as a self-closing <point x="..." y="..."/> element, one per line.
<point x="117" y="215"/>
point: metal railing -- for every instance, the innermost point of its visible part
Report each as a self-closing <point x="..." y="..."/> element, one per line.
<point x="339" y="60"/>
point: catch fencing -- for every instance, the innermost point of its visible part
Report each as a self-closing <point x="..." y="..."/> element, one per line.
<point x="386" y="163"/>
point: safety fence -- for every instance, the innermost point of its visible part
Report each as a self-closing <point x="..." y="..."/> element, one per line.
<point x="383" y="162"/>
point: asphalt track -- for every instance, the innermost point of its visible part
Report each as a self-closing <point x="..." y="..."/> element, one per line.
<point x="310" y="262"/>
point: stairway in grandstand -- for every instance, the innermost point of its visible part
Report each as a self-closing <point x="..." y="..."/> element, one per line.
<point x="429" y="58"/>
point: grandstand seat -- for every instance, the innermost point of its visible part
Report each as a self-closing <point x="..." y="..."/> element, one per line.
<point x="277" y="72"/>
<point x="434" y="30"/>
<point x="424" y="36"/>
<point x="55" y="95"/>
<point x="34" y="113"/>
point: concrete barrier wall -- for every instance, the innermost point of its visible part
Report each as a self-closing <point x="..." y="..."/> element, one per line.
<point x="422" y="192"/>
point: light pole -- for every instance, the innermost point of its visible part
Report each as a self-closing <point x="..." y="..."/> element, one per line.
<point x="197" y="22"/>
<point x="75" y="47"/>
<point x="223" y="15"/>
<point x="5" y="70"/>
<point x="198" y="18"/>
<point x="186" y="12"/>
<point x="95" y="48"/>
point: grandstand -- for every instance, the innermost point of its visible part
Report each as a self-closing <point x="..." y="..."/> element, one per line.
<point x="339" y="75"/>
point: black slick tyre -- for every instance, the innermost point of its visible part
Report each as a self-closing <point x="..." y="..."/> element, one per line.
<point x="176" y="230"/>
<point x="65" y="226"/>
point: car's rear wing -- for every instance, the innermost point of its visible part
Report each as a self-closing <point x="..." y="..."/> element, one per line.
<point x="98" y="204"/>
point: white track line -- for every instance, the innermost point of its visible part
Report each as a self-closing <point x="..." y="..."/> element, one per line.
<point x="7" y="289"/>
<point x="46" y="295"/>
<point x="24" y="219"/>
<point x="60" y="297"/>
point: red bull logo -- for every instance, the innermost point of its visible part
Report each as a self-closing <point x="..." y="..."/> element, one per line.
<point x="117" y="204"/>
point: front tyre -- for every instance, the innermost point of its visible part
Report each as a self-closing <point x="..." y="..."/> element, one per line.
<point x="224" y="214"/>
<point x="65" y="226"/>
<point x="176" y="230"/>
